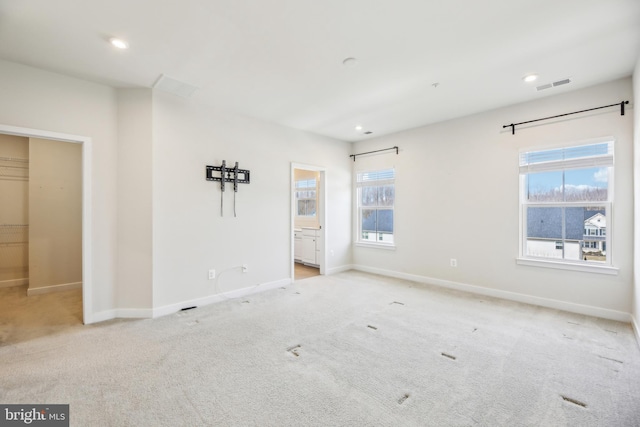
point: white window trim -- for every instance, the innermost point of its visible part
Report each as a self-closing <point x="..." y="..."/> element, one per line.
<point x="387" y="246"/>
<point x="567" y="265"/>
<point x="523" y="259"/>
<point x="369" y="244"/>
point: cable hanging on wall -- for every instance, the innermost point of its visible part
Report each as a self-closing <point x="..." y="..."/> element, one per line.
<point x="375" y="151"/>
<point x="513" y="125"/>
<point x="234" y="175"/>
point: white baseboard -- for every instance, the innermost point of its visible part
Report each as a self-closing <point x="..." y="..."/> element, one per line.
<point x="148" y="313"/>
<point x="636" y="329"/>
<point x="54" y="288"/>
<point x="120" y="313"/>
<point x="497" y="293"/>
<point x="134" y="313"/>
<point x="100" y="317"/>
<point x="212" y="299"/>
<point x="340" y="269"/>
<point x="14" y="282"/>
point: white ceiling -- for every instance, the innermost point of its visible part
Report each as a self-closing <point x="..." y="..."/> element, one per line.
<point x="281" y="60"/>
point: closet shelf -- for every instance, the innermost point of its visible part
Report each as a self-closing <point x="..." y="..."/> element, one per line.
<point x="14" y="234"/>
<point x="14" y="169"/>
<point x="13" y="159"/>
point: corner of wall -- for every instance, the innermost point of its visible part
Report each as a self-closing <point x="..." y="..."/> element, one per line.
<point x="635" y="310"/>
<point x="636" y="329"/>
<point x="134" y="272"/>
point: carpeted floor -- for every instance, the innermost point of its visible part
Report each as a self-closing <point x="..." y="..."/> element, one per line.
<point x="351" y="349"/>
<point x="24" y="318"/>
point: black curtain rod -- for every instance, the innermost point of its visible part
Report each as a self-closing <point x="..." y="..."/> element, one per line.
<point x="376" y="151"/>
<point x="513" y="125"/>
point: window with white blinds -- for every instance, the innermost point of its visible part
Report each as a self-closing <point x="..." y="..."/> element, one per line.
<point x="582" y="156"/>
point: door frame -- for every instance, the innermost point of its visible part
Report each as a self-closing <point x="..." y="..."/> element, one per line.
<point x="322" y="214"/>
<point x="87" y="283"/>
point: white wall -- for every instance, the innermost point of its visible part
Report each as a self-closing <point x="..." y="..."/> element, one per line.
<point x="462" y="167"/>
<point x="636" y="180"/>
<point x="190" y="236"/>
<point x="55" y="215"/>
<point x="135" y="140"/>
<point x="37" y="99"/>
<point x="457" y="197"/>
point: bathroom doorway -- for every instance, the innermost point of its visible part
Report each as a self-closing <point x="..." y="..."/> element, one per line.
<point x="308" y="221"/>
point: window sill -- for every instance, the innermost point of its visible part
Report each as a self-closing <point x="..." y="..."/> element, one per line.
<point x="587" y="268"/>
<point x="388" y="247"/>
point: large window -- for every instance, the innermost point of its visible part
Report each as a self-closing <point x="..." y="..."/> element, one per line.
<point x="566" y="196"/>
<point x="375" y="200"/>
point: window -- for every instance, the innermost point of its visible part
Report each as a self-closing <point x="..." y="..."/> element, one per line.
<point x="566" y="197"/>
<point x="375" y="203"/>
<point x="306" y="195"/>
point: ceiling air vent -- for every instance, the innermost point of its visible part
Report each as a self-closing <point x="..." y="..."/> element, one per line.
<point x="561" y="82"/>
<point x="553" y="84"/>
<point x="175" y="87"/>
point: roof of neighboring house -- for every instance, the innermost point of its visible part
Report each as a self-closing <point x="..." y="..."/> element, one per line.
<point x="598" y="220"/>
<point x="546" y="223"/>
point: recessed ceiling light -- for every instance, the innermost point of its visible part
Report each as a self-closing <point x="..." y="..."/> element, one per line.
<point x="358" y="127"/>
<point x="530" y="78"/>
<point x="119" y="43"/>
<point x="350" y="62"/>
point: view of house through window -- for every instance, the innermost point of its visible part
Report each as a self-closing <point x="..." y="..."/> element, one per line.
<point x="566" y="199"/>
<point x="375" y="201"/>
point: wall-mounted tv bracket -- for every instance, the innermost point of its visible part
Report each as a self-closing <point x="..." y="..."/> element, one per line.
<point x="235" y="175"/>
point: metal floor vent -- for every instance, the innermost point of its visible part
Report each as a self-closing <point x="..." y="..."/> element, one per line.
<point x="554" y="84"/>
<point x="174" y="87"/>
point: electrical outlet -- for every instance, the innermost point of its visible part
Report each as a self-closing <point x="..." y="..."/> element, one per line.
<point x="245" y="268"/>
<point x="212" y="274"/>
<point x="454" y="262"/>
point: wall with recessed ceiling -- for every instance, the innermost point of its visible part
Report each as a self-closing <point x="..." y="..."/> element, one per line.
<point x="42" y="100"/>
<point x="156" y="223"/>
<point x="191" y="236"/>
<point x="457" y="197"/>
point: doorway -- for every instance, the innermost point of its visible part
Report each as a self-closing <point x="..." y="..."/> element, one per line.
<point x="40" y="236"/>
<point x="62" y="286"/>
<point x="308" y="221"/>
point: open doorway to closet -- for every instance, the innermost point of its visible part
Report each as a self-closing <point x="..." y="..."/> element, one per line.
<point x="308" y="227"/>
<point x="40" y="237"/>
